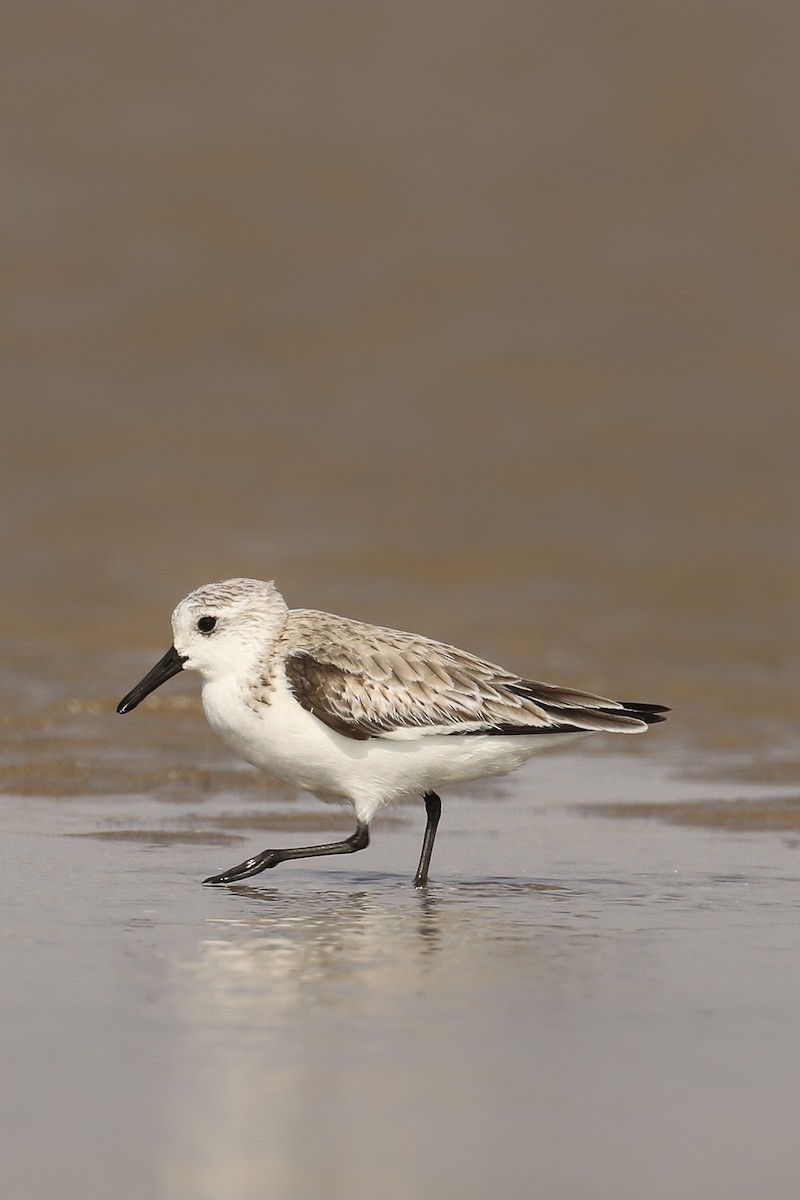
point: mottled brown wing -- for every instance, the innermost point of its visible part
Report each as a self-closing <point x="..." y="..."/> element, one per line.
<point x="365" y="682"/>
<point x="321" y="688"/>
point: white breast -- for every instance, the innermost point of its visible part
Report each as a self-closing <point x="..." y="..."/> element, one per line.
<point x="287" y="742"/>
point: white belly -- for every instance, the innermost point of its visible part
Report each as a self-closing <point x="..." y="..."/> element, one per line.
<point x="289" y="743"/>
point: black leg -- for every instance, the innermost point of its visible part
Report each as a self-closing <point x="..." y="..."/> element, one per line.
<point x="433" y="807"/>
<point x="270" y="858"/>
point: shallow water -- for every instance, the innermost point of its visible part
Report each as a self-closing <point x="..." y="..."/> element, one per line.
<point x="476" y="321"/>
<point x="567" y="981"/>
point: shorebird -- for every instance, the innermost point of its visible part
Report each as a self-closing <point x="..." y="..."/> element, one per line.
<point x="361" y="714"/>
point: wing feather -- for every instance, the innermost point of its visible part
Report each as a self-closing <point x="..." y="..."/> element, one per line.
<point x="365" y="681"/>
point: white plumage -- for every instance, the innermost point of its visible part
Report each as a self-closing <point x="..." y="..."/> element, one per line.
<point x="359" y="713"/>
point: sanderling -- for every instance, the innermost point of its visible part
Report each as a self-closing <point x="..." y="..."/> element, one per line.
<point x="363" y="714"/>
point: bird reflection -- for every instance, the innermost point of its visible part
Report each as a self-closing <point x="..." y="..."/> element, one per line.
<point x="301" y="1013"/>
<point x="291" y="944"/>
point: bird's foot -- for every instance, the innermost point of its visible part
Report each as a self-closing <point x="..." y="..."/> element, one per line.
<point x="250" y="866"/>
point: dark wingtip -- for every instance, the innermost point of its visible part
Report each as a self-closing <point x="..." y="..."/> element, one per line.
<point x="651" y="718"/>
<point x="651" y="714"/>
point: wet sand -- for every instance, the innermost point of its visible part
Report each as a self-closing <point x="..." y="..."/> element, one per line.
<point x="567" y="983"/>
<point x="480" y="322"/>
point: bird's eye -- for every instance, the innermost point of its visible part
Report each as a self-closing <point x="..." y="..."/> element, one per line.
<point x="206" y="624"/>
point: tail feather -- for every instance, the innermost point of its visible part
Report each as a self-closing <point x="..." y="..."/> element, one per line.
<point x="572" y="711"/>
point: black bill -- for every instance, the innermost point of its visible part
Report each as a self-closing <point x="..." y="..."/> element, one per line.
<point x="165" y="668"/>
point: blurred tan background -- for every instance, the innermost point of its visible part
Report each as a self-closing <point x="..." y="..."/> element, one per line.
<point x="474" y="318"/>
<point x="480" y="319"/>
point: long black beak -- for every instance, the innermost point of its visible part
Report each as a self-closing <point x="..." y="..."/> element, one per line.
<point x="165" y="668"/>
